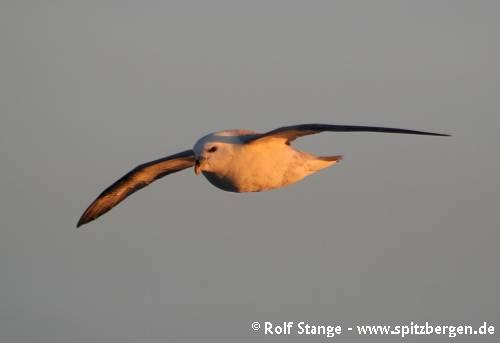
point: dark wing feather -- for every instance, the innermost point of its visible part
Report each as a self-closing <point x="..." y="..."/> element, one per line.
<point x="138" y="178"/>
<point x="290" y="133"/>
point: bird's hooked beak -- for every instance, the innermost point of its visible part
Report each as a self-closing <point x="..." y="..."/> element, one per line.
<point x="198" y="165"/>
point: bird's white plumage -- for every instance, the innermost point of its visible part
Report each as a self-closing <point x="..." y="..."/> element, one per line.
<point x="239" y="166"/>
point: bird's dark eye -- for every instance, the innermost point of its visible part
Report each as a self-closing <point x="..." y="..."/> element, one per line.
<point x="212" y="149"/>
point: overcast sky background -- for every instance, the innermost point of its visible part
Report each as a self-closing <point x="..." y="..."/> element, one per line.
<point x="405" y="229"/>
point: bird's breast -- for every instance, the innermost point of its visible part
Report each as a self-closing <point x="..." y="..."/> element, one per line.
<point x="220" y="181"/>
<point x="255" y="169"/>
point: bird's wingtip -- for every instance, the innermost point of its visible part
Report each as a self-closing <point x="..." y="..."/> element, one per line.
<point x="82" y="221"/>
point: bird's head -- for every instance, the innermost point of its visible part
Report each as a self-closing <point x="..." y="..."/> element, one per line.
<point x="215" y="151"/>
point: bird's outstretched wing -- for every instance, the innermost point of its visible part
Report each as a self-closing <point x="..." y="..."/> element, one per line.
<point x="290" y="133"/>
<point x="138" y="178"/>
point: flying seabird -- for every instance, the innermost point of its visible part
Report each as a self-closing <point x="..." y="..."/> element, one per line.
<point x="235" y="161"/>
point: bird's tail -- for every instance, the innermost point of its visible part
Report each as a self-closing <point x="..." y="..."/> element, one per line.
<point x="335" y="158"/>
<point x="320" y="162"/>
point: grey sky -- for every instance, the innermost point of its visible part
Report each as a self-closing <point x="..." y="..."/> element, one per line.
<point x="405" y="228"/>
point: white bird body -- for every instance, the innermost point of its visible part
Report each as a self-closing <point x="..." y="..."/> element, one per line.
<point x="236" y="161"/>
<point x="255" y="167"/>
